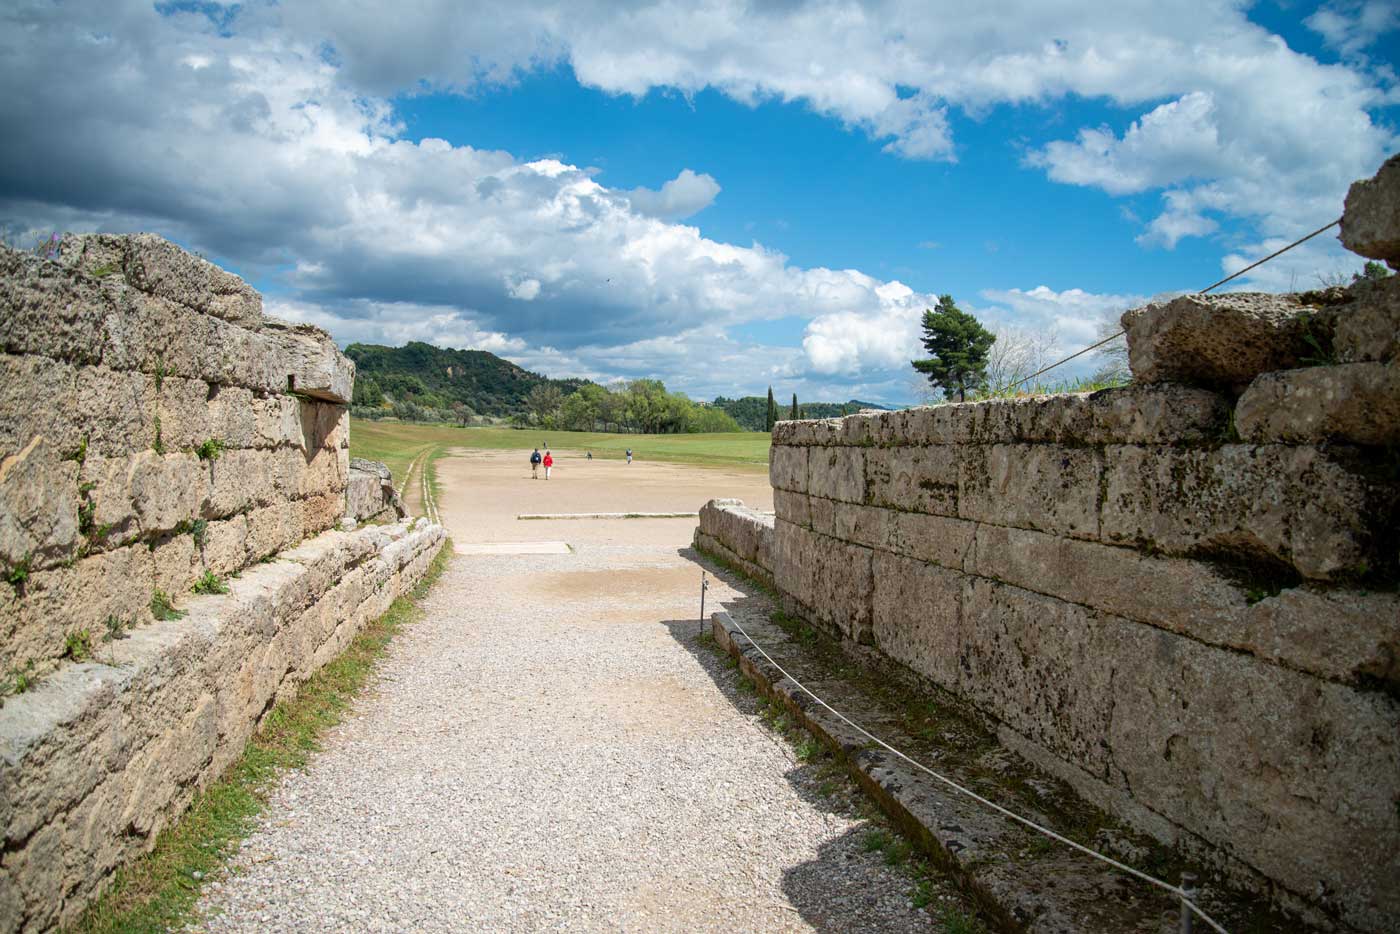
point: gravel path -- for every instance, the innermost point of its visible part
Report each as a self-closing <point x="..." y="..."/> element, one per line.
<point x="551" y="749"/>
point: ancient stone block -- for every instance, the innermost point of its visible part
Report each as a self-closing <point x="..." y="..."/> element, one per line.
<point x="48" y="309"/>
<point x="1296" y="776"/>
<point x="38" y="506"/>
<point x="116" y="411"/>
<point x="837" y="473"/>
<point x="792" y="571"/>
<point x="1221" y="341"/>
<point x="1047" y="487"/>
<point x="146" y="492"/>
<point x="272" y="528"/>
<point x="870" y="526"/>
<point x="921" y="479"/>
<point x="792" y="507"/>
<point x="321" y="512"/>
<point x="225" y="545"/>
<point x="277" y="421"/>
<point x="1371" y="217"/>
<point x="156" y="266"/>
<point x="1354" y="402"/>
<point x="917" y="617"/>
<point x="1036" y="663"/>
<point x="1324" y="513"/>
<point x="1369" y="327"/>
<point x="174" y="558"/>
<point x="938" y="539"/>
<point x="60" y="600"/>
<point x="313" y="365"/>
<point x="38" y="398"/>
<point x="787" y="468"/>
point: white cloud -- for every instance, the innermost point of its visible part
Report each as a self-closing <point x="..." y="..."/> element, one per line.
<point x="1077" y="317"/>
<point x="1351" y="27"/>
<point x="684" y="195"/>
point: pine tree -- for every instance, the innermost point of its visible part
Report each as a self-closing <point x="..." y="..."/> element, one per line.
<point x="959" y="346"/>
<point x="772" y="418"/>
<point x="796" y="414"/>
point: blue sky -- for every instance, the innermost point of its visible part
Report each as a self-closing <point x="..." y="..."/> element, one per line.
<point x="723" y="195"/>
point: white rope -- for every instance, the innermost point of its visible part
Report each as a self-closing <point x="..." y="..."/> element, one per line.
<point x="1167" y="886"/>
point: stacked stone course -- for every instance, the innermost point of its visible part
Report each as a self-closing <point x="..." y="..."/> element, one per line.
<point x="1179" y="596"/>
<point x="155" y="427"/>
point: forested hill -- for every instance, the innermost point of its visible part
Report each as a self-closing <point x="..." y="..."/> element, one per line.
<point x="436" y="378"/>
<point x="751" y="411"/>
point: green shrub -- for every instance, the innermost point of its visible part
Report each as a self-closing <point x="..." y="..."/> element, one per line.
<point x="78" y="645"/>
<point x="19" y="571"/>
<point x="163" y="608"/>
<point x="210" y="449"/>
<point x="209" y="582"/>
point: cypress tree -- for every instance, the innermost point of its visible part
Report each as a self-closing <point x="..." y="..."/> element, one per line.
<point x="772" y="418"/>
<point x="796" y="414"/>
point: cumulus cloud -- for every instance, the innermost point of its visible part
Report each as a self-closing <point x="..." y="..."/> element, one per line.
<point x="684" y="195"/>
<point x="1350" y="28"/>
<point x="266" y="134"/>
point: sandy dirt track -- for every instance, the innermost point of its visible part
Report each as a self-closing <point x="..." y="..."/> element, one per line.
<point x="550" y="748"/>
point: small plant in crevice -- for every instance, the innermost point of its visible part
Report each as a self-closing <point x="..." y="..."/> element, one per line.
<point x="199" y="531"/>
<point x="77" y="645"/>
<point x="79" y="453"/>
<point x="209" y="582"/>
<point x="18" y="572"/>
<point x="158" y="445"/>
<point x="105" y="270"/>
<point x="209" y="449"/>
<point x="161" y="372"/>
<point x="116" y="628"/>
<point x="21" y="678"/>
<point x="163" y="607"/>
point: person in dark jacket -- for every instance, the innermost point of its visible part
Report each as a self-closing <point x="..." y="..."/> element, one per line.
<point x="535" y="465"/>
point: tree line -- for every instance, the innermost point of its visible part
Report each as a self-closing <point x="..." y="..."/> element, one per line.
<point x="642" y="405"/>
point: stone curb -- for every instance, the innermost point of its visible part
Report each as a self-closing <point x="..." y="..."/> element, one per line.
<point x="1043" y="895"/>
<point x="605" y="515"/>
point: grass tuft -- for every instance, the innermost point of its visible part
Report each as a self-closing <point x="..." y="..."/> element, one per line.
<point x="209" y="449"/>
<point x="158" y="891"/>
<point x="77" y="645"/>
<point x="163" y="607"/>
<point x="209" y="582"/>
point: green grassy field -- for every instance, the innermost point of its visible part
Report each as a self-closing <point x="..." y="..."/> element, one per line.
<point x="398" y="443"/>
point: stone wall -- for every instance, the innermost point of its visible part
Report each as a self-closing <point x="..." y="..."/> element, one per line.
<point x="370" y="495"/>
<point x="1180" y="596"/>
<point x="157" y="430"/>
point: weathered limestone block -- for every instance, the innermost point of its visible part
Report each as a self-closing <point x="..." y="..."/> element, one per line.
<point x="156" y="266"/>
<point x="792" y="572"/>
<point x="226" y="545"/>
<point x="61" y="600"/>
<point x="1297" y="777"/>
<point x="115" y="411"/>
<point x="917" y="617"/>
<point x="321" y="512"/>
<point x="1220" y="341"/>
<point x="38" y="398"/>
<point x="922" y="479"/>
<point x="792" y="507"/>
<point x="1355" y="402"/>
<point x="831" y="578"/>
<point x="50" y="310"/>
<point x="1371" y="217"/>
<point x="38" y="506"/>
<point x="837" y="473"/>
<point x="1324" y="513"/>
<point x="174" y="557"/>
<point x="370" y="493"/>
<point x="193" y="412"/>
<point x="940" y="540"/>
<point x="272" y="528"/>
<point x="277" y="422"/>
<point x="1036" y="663"/>
<point x="1042" y="486"/>
<point x="146" y="492"/>
<point x="1369" y="327"/>
<point x="1343" y="635"/>
<point x="787" y="467"/>
<point x="313" y="365"/>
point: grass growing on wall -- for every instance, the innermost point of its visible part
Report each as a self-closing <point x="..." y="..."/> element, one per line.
<point x="158" y="891"/>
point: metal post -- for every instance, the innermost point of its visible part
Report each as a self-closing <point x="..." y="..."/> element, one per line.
<point x="1188" y="895"/>
<point x="704" y="586"/>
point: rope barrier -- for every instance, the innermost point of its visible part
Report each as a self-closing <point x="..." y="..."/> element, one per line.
<point x="1215" y="285"/>
<point x="1176" y="890"/>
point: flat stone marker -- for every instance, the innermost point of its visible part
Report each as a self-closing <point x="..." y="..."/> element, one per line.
<point x="514" y="548"/>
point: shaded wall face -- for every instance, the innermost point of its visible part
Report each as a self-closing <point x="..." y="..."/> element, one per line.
<point x="154" y="426"/>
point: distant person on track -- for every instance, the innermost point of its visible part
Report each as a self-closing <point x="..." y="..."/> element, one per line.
<point x="535" y="465"/>
<point x="590" y="455"/>
<point x="629" y="455"/>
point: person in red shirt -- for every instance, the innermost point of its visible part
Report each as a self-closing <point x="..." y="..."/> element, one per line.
<point x="548" y="463"/>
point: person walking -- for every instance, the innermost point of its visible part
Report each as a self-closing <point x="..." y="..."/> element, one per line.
<point x="535" y="465"/>
<point x="548" y="463"/>
<point x="629" y="455"/>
